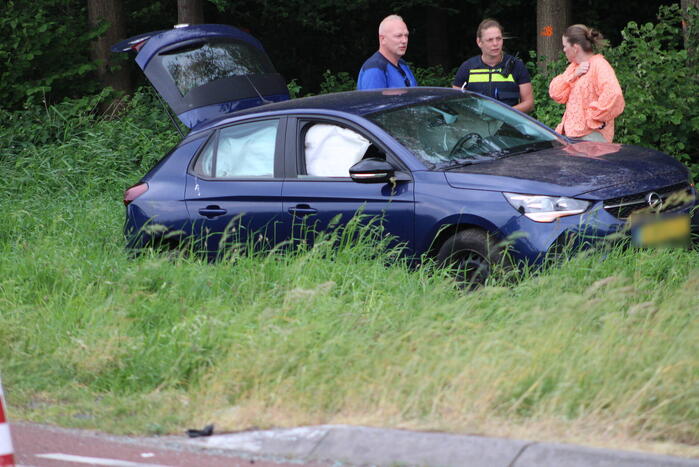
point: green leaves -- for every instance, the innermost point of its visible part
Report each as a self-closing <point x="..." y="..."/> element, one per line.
<point x="652" y="67"/>
<point x="46" y="49"/>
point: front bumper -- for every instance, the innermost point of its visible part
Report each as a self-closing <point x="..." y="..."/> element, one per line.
<point x="533" y="242"/>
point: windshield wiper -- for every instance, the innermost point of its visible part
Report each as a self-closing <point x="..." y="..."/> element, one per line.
<point x="456" y="163"/>
<point x="518" y="150"/>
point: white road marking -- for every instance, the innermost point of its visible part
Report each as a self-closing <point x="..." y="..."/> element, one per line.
<point x="95" y="460"/>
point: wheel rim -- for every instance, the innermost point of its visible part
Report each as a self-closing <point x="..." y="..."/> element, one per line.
<point x="471" y="267"/>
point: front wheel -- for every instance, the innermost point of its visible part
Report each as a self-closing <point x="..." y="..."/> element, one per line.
<point x="470" y="254"/>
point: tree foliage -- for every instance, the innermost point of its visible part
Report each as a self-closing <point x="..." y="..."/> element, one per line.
<point x="662" y="88"/>
<point x="45" y="50"/>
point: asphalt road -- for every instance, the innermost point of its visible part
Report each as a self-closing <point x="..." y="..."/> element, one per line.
<point x="317" y="446"/>
<point x="46" y="446"/>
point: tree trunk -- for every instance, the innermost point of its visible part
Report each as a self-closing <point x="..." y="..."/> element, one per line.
<point x="552" y="19"/>
<point x="690" y="28"/>
<point x="190" y="11"/>
<point x="437" y="37"/>
<point x="110" y="12"/>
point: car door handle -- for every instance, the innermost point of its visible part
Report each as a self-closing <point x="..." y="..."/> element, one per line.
<point x="301" y="210"/>
<point x="212" y="211"/>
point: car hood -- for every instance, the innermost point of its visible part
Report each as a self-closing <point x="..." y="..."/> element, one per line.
<point x="206" y="71"/>
<point x="585" y="169"/>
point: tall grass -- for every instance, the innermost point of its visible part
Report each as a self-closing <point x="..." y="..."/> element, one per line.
<point x="601" y="349"/>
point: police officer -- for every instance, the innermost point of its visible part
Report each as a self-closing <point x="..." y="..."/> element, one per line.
<point x="495" y="73"/>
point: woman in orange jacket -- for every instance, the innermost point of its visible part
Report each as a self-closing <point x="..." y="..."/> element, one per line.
<point x="588" y="88"/>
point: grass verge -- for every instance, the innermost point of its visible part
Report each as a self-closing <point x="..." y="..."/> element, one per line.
<point x="601" y="349"/>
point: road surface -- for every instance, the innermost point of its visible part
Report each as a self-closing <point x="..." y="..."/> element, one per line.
<point x="46" y="446"/>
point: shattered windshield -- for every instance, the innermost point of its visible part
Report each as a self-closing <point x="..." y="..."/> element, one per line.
<point x="465" y="130"/>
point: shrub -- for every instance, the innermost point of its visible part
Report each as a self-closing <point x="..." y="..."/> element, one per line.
<point x="337" y="82"/>
<point x="661" y="88"/>
<point x="49" y="36"/>
<point x="434" y="76"/>
<point x="344" y="81"/>
<point x="69" y="147"/>
<point x="546" y="110"/>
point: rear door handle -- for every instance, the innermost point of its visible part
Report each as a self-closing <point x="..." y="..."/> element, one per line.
<point x="212" y="211"/>
<point x="301" y="210"/>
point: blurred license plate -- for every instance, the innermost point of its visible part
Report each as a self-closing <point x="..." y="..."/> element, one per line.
<point x="662" y="231"/>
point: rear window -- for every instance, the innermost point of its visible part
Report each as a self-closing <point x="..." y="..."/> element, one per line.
<point x="204" y="62"/>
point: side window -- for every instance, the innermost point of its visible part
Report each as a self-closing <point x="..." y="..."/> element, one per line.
<point x="247" y="150"/>
<point x="204" y="165"/>
<point x="244" y="150"/>
<point x="330" y="150"/>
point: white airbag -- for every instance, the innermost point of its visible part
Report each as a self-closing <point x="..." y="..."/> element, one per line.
<point x="331" y="150"/>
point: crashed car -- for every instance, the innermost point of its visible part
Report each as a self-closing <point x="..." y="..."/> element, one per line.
<point x="449" y="174"/>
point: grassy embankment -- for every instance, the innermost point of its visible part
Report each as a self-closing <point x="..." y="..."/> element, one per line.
<point x="602" y="350"/>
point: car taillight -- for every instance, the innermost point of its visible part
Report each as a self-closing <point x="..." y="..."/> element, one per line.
<point x="134" y="192"/>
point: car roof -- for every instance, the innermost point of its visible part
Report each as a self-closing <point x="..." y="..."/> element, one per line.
<point x="360" y="103"/>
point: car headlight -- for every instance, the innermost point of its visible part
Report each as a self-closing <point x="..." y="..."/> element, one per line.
<point x="546" y="208"/>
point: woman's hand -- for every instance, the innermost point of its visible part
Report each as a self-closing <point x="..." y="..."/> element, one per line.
<point x="582" y="68"/>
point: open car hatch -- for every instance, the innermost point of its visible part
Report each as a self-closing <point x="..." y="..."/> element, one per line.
<point x="206" y="71"/>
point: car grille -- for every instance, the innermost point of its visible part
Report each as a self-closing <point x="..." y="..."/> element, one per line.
<point x="673" y="197"/>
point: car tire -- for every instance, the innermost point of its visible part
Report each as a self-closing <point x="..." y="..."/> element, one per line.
<point x="470" y="256"/>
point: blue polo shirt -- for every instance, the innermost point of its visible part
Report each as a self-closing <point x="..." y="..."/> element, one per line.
<point x="377" y="72"/>
<point x="490" y="80"/>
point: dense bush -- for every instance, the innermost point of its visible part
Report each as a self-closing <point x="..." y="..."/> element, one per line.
<point x="337" y="82"/>
<point x="662" y="88"/>
<point x="434" y="76"/>
<point x="48" y="43"/>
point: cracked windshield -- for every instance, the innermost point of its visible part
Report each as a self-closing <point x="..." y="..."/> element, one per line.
<point x="462" y="131"/>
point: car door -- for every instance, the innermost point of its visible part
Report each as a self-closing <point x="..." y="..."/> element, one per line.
<point x="318" y="192"/>
<point x="234" y="187"/>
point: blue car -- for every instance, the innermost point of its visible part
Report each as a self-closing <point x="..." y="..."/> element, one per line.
<point x="449" y="174"/>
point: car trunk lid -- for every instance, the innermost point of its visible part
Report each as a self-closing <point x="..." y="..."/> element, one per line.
<point x="206" y="71"/>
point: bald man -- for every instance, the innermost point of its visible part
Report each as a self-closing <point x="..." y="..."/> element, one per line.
<point x="386" y="68"/>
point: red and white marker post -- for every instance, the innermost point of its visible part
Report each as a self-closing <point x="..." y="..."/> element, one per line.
<point x="7" y="458"/>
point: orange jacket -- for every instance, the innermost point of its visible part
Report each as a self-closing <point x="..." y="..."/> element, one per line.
<point x="592" y="100"/>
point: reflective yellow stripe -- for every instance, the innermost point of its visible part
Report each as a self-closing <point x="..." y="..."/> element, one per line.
<point x="497" y="77"/>
<point x="479" y="75"/>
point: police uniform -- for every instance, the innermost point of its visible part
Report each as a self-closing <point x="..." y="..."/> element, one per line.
<point x="490" y="81"/>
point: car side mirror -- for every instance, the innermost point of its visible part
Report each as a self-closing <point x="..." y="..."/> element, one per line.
<point x="372" y="170"/>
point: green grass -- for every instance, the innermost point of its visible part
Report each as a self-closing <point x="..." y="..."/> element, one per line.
<point x="602" y="349"/>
